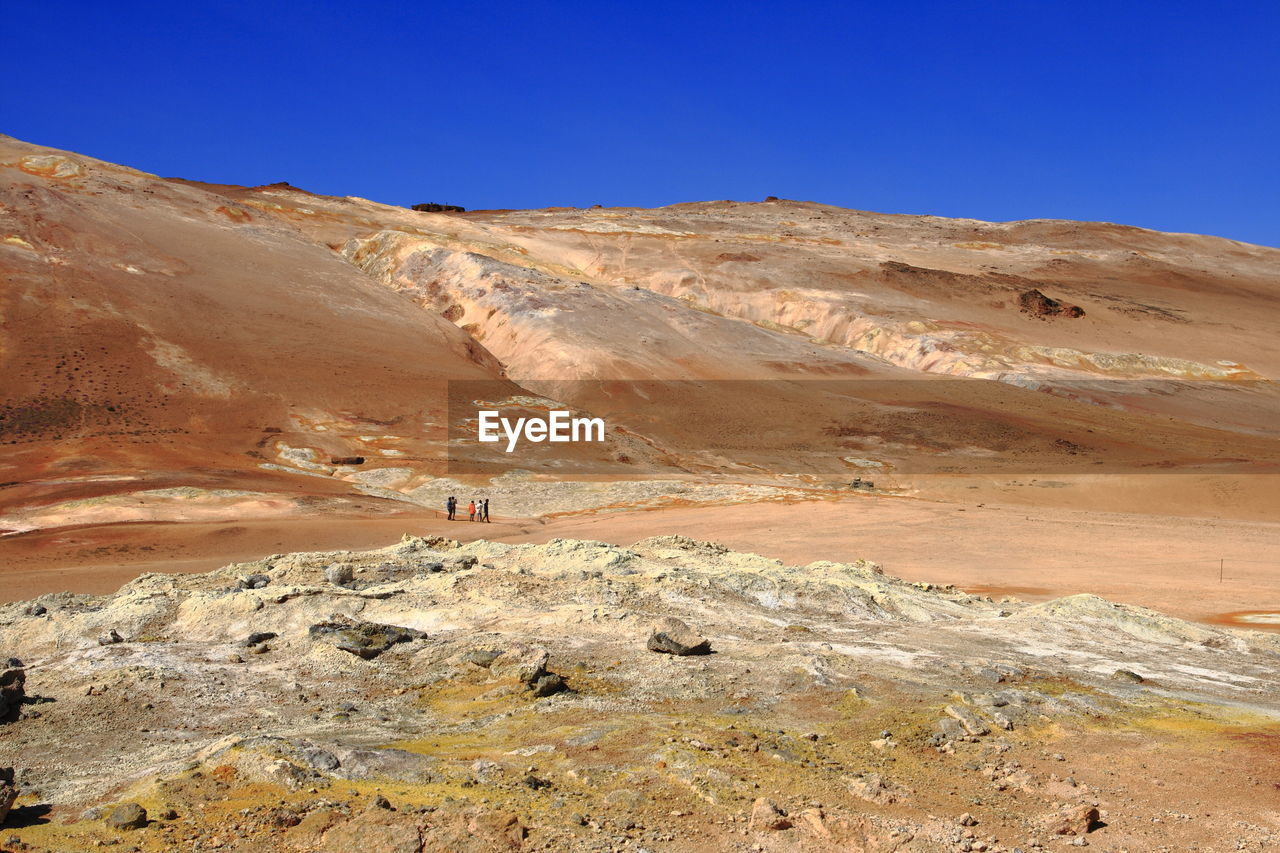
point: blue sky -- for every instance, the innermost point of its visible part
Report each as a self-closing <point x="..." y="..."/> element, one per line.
<point x="1164" y="115"/>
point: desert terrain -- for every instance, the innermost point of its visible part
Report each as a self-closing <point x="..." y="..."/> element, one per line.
<point x="979" y="522"/>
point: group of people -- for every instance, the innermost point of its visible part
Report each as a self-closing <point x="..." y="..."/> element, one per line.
<point x="477" y="510"/>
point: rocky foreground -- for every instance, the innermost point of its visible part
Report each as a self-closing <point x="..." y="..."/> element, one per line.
<point x="583" y="696"/>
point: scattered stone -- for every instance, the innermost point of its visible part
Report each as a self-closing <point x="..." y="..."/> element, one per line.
<point x="766" y="816"/>
<point x="127" y="816"/>
<point x="967" y="819"/>
<point x="548" y="684"/>
<point x="674" y="637"/>
<point x="110" y="638"/>
<point x="8" y="792"/>
<point x="234" y="658"/>
<point x="431" y="567"/>
<point x="873" y="788"/>
<point x="339" y="574"/>
<point x="381" y="802"/>
<point x="533" y="783"/>
<point x="36" y="609"/>
<point x="364" y="639"/>
<point x="971" y="722"/>
<point x="483" y="658"/>
<point x="320" y="759"/>
<point x="257" y="581"/>
<point x="260" y="637"/>
<point x="168" y="814"/>
<point x="1128" y="675"/>
<point x="1076" y="821"/>
<point x="523" y="662"/>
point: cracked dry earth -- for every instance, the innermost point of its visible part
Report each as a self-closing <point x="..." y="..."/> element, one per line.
<point x="514" y="704"/>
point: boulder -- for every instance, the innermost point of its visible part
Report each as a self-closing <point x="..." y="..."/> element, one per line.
<point x="339" y="574"/>
<point x="110" y="638"/>
<point x="548" y="684"/>
<point x="259" y="637"/>
<point x="127" y="816"/>
<point x="522" y="662"/>
<point x="972" y="723"/>
<point x="483" y="658"/>
<point x="1075" y="821"/>
<point x="255" y="581"/>
<point x="363" y="639"/>
<point x="319" y="759"/>
<point x="767" y="817"/>
<point x="674" y="637"/>
<point x="13" y="681"/>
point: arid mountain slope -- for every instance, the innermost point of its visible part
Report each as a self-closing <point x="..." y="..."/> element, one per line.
<point x="253" y="343"/>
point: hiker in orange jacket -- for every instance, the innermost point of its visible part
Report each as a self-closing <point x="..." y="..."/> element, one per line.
<point x="471" y="510"/>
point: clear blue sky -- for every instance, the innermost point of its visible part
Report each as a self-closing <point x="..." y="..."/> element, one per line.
<point x="1161" y="114"/>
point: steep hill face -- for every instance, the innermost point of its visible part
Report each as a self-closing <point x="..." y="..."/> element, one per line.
<point x="253" y="343"/>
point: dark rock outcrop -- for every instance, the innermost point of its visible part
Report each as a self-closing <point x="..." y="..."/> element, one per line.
<point x="13" y="679"/>
<point x="1036" y="304"/>
<point x="8" y="792"/>
<point x="127" y="816"/>
<point x="363" y="639"/>
<point x="432" y="207"/>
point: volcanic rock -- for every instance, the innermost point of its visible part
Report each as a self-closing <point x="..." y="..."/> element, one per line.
<point x="127" y="816"/>
<point x="363" y="639"/>
<point x="1075" y="821"/>
<point x="521" y="661"/>
<point x="8" y="792"/>
<point x="766" y="816"/>
<point x="674" y="637"/>
<point x="12" y="690"/>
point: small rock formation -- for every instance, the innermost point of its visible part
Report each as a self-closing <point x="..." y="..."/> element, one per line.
<point x="257" y="581"/>
<point x="363" y="639"/>
<point x="523" y="662"/>
<point x="1076" y="821"/>
<point x="1128" y="675"/>
<point x="110" y="638"/>
<point x="339" y="574"/>
<point x="259" y="637"/>
<point x="13" y="679"/>
<point x="972" y="723"/>
<point x="548" y="684"/>
<point x="674" y="637"/>
<point x="1036" y="304"/>
<point x="127" y="816"/>
<point x="8" y="792"/>
<point x="766" y="816"/>
<point x="346" y="460"/>
<point x="482" y="658"/>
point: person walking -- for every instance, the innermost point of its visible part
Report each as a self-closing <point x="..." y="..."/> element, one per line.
<point x="486" y="510"/>
<point x="450" y="505"/>
<point x="471" y="511"/>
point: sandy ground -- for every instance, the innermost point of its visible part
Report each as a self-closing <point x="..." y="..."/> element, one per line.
<point x="1171" y="564"/>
